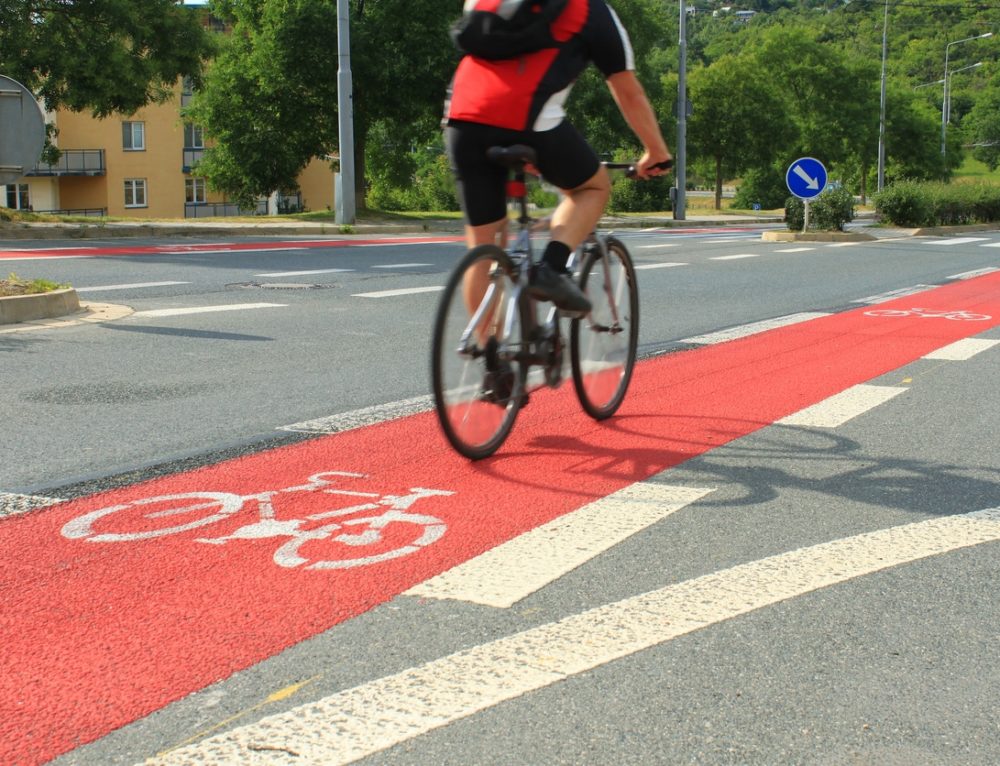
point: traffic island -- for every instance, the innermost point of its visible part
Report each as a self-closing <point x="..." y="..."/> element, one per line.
<point x="15" y="309"/>
<point x="817" y="236"/>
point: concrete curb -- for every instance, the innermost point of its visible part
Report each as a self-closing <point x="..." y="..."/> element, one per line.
<point x="15" y="309"/>
<point x="944" y="230"/>
<point x="86" y="313"/>
<point x="817" y="236"/>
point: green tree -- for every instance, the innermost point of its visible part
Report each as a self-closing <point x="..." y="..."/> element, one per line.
<point x="738" y="119"/>
<point x="982" y="126"/>
<point x="103" y="55"/>
<point x="269" y="103"/>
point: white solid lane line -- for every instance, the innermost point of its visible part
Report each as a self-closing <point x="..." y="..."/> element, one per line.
<point x="135" y="285"/>
<point x="206" y="309"/>
<point x="840" y="408"/>
<point x="643" y="266"/>
<point x="892" y="294"/>
<point x="372" y="717"/>
<point x="365" y="416"/>
<point x="753" y="328"/>
<point x="514" y="570"/>
<point x="976" y="273"/>
<point x="12" y="504"/>
<point x="302" y="273"/>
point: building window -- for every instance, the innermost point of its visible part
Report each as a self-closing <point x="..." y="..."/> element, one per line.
<point x="135" y="192"/>
<point x="194" y="136"/>
<point x="194" y="190"/>
<point x="134" y="136"/>
<point x="17" y="197"/>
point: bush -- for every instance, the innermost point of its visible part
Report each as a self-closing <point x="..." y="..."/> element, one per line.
<point x="830" y="211"/>
<point x="763" y="186"/>
<point x="915" y="204"/>
<point x="632" y="196"/>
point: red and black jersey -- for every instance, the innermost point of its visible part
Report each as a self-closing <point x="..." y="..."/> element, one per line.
<point x="528" y="93"/>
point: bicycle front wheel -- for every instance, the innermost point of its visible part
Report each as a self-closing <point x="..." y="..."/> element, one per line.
<point x="477" y="368"/>
<point x="603" y="343"/>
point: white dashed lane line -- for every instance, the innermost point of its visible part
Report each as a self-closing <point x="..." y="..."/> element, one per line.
<point x="303" y="273"/>
<point x="206" y="309"/>
<point x="838" y="409"/>
<point x="403" y="291"/>
<point x="134" y="286"/>
<point x="736" y="257"/>
<point x="644" y="266"/>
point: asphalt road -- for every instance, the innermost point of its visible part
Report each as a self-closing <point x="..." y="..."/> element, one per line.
<point x="892" y="663"/>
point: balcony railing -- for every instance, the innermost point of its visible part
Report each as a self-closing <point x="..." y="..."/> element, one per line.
<point x="191" y="157"/>
<point x="73" y="162"/>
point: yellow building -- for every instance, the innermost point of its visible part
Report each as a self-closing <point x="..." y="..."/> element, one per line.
<point x="140" y="166"/>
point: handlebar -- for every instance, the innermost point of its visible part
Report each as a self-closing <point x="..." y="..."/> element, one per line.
<point x="629" y="167"/>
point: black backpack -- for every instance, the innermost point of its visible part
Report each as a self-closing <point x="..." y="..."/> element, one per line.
<point x="517" y="27"/>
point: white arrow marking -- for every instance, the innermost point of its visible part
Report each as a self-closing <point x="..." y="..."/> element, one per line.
<point x="811" y="183"/>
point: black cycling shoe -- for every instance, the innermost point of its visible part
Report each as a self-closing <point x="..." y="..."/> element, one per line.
<point x="549" y="284"/>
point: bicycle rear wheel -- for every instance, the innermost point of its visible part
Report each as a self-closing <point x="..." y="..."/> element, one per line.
<point x="477" y="372"/>
<point x="603" y="343"/>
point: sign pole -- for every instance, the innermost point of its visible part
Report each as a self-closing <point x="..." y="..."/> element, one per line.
<point x="344" y="190"/>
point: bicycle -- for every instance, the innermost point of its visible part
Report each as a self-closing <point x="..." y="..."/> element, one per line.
<point x="484" y="345"/>
<point x="175" y="514"/>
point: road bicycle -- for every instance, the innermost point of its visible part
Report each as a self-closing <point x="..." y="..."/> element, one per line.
<point x="930" y="314"/>
<point x="489" y="331"/>
<point x="152" y="517"/>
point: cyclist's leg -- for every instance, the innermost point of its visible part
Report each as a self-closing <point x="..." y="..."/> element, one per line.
<point x="569" y="162"/>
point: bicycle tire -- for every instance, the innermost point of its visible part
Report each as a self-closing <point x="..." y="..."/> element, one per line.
<point x="603" y="344"/>
<point x="224" y="503"/>
<point x="475" y="412"/>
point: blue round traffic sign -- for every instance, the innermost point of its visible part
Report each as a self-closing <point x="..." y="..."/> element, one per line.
<point x="806" y="177"/>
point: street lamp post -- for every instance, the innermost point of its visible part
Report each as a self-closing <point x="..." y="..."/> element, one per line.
<point x="952" y="73"/>
<point x="947" y="94"/>
<point x="881" y="112"/>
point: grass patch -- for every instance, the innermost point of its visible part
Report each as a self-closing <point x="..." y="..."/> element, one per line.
<point x="14" y="285"/>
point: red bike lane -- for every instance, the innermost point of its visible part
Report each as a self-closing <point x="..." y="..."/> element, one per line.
<point x="102" y="625"/>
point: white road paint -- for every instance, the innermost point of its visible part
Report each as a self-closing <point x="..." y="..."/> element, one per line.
<point x="956" y="241"/>
<point x="893" y="294"/>
<point x="795" y="250"/>
<point x="230" y="250"/>
<point x="375" y="716"/>
<point x="514" y="570"/>
<point x="403" y="291"/>
<point x="12" y="504"/>
<point x="962" y="350"/>
<point x="42" y="257"/>
<point x="206" y="309"/>
<point x="753" y="328"/>
<point x="840" y="408"/>
<point x="977" y="272"/>
<point x="844" y="244"/>
<point x="365" y="416"/>
<point x="303" y="273"/>
<point x="645" y="266"/>
<point x="736" y="257"/>
<point x="402" y="265"/>
<point x="991" y="244"/>
<point x="655" y="247"/>
<point x="135" y="285"/>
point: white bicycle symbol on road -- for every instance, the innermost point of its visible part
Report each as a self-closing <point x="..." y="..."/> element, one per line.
<point x="930" y="314"/>
<point x="141" y="519"/>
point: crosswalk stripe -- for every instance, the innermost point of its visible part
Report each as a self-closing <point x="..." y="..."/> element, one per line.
<point x="375" y="716"/>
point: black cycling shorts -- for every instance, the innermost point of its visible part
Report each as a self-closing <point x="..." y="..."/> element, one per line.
<point x="565" y="159"/>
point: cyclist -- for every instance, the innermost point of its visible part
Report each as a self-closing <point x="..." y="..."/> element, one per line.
<point x="520" y="101"/>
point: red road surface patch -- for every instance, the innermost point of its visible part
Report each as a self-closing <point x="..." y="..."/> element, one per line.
<point x="98" y="634"/>
<point x="209" y="248"/>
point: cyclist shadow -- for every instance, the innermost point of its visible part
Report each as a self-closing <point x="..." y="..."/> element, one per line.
<point x="782" y="459"/>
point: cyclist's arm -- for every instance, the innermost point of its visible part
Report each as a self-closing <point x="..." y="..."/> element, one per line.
<point x="635" y="107"/>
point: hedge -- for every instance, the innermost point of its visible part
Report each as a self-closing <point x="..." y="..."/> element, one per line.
<point x="916" y="204"/>
<point x="827" y="212"/>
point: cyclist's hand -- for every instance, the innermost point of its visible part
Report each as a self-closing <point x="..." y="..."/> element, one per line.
<point x="650" y="165"/>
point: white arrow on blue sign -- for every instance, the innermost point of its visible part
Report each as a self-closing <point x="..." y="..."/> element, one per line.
<point x="806" y="177"/>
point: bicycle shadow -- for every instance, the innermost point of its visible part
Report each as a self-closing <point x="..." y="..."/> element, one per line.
<point x="764" y="465"/>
